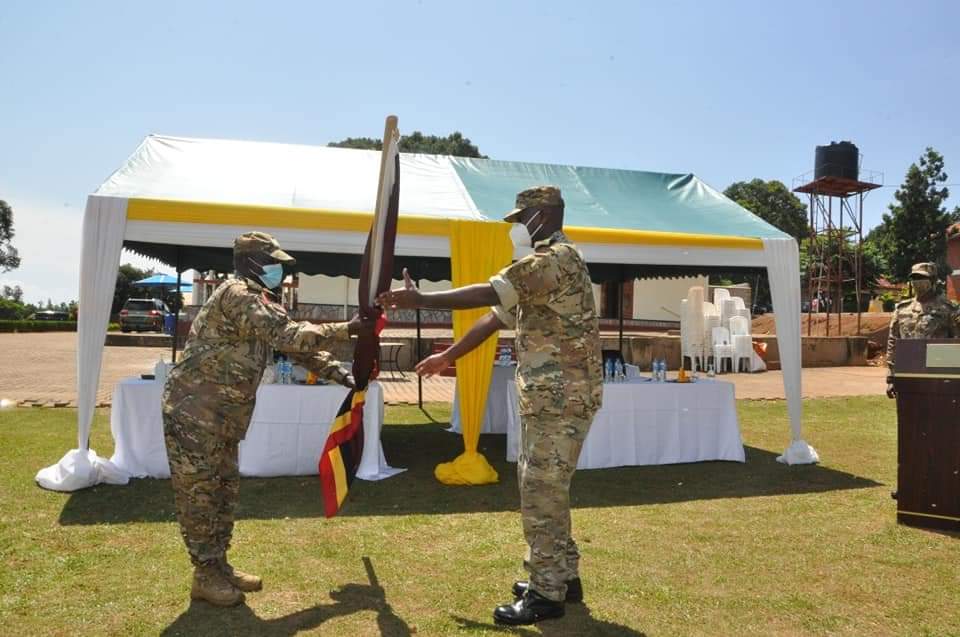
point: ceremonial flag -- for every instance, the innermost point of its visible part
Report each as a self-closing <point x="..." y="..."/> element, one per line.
<point x="344" y="447"/>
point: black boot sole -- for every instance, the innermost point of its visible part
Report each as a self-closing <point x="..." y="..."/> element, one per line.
<point x="503" y="621"/>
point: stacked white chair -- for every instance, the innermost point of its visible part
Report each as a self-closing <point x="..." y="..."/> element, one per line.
<point x="722" y="348"/>
<point x="684" y="331"/>
<point x="727" y="309"/>
<point x="711" y="319"/>
<point x="694" y="323"/>
<point x="720" y="295"/>
<point x="742" y="342"/>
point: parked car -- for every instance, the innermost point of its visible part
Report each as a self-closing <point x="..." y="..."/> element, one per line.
<point x="143" y="314"/>
<point x="50" y="315"/>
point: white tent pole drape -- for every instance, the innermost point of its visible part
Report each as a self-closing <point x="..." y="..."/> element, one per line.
<point x="104" y="222"/>
<point x="783" y="268"/>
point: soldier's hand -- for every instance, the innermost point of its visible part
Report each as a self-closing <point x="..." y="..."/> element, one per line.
<point x="347" y="381"/>
<point x="406" y="298"/>
<point x="432" y="365"/>
<point x="891" y="392"/>
<point x="358" y="325"/>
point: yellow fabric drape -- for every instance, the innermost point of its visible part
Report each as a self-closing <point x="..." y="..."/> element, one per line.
<point x="478" y="250"/>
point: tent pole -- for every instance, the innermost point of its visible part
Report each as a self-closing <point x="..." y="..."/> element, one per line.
<point x="419" y="378"/>
<point x="620" y="312"/>
<point x="176" y="311"/>
<point x="419" y="355"/>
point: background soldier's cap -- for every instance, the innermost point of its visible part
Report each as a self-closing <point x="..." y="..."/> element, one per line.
<point x="533" y="197"/>
<point x="261" y="243"/>
<point x="926" y="270"/>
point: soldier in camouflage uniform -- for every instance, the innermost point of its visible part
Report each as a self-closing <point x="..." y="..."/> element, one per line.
<point x="927" y="315"/>
<point x="548" y="298"/>
<point x="209" y="398"/>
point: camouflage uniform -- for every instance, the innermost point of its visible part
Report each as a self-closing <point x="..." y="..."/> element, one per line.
<point x="935" y="317"/>
<point x="548" y="298"/>
<point x="209" y="399"/>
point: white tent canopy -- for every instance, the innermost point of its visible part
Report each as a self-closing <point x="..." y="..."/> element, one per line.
<point x="204" y="193"/>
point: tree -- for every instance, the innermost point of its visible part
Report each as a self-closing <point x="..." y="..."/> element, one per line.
<point x="915" y="228"/>
<point x="13" y="293"/>
<point x="416" y="142"/>
<point x="772" y="202"/>
<point x="9" y="257"/>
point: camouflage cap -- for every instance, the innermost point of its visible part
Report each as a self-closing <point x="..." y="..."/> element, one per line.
<point x="261" y="243"/>
<point x="925" y="270"/>
<point x="533" y="197"/>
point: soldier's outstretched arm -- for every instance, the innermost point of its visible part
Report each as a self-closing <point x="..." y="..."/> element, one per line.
<point x="270" y="322"/>
<point x="463" y="298"/>
<point x="488" y="325"/>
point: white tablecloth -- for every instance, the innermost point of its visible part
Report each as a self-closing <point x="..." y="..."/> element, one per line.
<point x="647" y="423"/>
<point x="495" y="413"/>
<point x="286" y="435"/>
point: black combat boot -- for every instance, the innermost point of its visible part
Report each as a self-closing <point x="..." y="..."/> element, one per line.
<point x="529" y="609"/>
<point x="574" y="590"/>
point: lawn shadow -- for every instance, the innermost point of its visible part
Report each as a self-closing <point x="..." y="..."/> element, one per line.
<point x="416" y="491"/>
<point x="203" y="619"/>
<point x="577" y="621"/>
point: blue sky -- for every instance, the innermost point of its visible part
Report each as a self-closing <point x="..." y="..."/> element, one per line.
<point x="729" y="91"/>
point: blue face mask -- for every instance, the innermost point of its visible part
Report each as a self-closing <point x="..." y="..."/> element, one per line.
<point x="272" y="275"/>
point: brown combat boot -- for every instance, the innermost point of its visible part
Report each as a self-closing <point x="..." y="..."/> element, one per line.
<point x="244" y="581"/>
<point x="211" y="585"/>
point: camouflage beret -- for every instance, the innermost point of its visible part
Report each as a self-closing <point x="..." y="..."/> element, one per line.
<point x="534" y="197"/>
<point x="261" y="243"/>
<point x="925" y="270"/>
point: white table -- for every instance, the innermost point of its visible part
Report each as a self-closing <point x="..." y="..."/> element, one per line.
<point x="495" y="413"/>
<point x="286" y="436"/>
<point x="647" y="423"/>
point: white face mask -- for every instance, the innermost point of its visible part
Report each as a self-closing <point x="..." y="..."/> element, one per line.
<point x="520" y="236"/>
<point x="520" y="233"/>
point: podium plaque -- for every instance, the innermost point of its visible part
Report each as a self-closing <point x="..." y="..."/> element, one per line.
<point x="927" y="382"/>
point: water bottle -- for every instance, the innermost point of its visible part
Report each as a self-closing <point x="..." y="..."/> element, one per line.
<point x="621" y="372"/>
<point x="608" y="370"/>
<point x="661" y="370"/>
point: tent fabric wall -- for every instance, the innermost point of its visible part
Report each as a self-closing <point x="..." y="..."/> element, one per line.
<point x="104" y="223"/>
<point x="478" y="250"/>
<point x="783" y="270"/>
<point x="203" y="193"/>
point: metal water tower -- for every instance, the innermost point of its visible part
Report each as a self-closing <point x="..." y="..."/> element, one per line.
<point x="837" y="181"/>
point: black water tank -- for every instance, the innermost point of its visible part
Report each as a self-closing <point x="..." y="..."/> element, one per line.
<point x="839" y="159"/>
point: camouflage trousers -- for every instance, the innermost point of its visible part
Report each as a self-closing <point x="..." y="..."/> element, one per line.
<point x="205" y="475"/>
<point x="549" y="449"/>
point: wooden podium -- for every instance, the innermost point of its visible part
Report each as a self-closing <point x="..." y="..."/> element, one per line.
<point x="927" y="382"/>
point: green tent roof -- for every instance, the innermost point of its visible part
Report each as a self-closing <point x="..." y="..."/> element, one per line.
<point x="620" y="199"/>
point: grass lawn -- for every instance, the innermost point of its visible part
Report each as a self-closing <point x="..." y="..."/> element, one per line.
<point x="699" y="549"/>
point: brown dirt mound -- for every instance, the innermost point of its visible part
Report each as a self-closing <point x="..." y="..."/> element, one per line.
<point x="873" y="325"/>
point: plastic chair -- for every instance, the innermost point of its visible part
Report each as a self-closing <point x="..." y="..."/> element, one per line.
<point x="710" y="321"/>
<point x="722" y="348"/>
<point x="742" y="352"/>
<point x="727" y="309"/>
<point x="691" y="336"/>
<point x="720" y="295"/>
<point x="738" y="303"/>
<point x="739" y="326"/>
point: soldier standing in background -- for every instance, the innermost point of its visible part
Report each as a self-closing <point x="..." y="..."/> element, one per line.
<point x="927" y="315"/>
<point x="548" y="298"/>
<point x="209" y="398"/>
